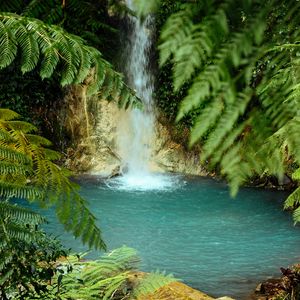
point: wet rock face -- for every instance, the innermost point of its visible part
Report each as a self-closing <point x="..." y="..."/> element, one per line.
<point x="93" y="127"/>
<point x="172" y="156"/>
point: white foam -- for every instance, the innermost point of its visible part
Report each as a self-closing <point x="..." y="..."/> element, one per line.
<point x="145" y="182"/>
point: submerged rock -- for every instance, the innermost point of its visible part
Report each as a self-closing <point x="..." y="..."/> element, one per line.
<point x="115" y="172"/>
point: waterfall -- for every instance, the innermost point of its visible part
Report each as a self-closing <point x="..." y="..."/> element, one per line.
<point x="135" y="138"/>
<point x="136" y="126"/>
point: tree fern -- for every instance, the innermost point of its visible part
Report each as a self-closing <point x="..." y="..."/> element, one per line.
<point x="15" y="227"/>
<point x="50" y="11"/>
<point x="27" y="255"/>
<point x="244" y="87"/>
<point x="27" y="171"/>
<point x="113" y="276"/>
<point x="59" y="52"/>
<point x="102" y="278"/>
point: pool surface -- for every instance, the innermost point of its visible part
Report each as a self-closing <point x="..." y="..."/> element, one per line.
<point x="194" y="230"/>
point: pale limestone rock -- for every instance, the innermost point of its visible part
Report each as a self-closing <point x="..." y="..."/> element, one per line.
<point x="171" y="156"/>
<point x="93" y="125"/>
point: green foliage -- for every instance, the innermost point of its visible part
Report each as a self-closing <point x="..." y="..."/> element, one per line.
<point x="40" y="100"/>
<point x="88" y="19"/>
<point x="293" y="200"/>
<point x="143" y="8"/>
<point x="37" y="101"/>
<point x="27" y="171"/>
<point x="244" y="86"/>
<point x="56" y="50"/>
<point x="101" y="279"/>
<point x="151" y="283"/>
<point x="113" y="276"/>
<point x="240" y="64"/>
<point x="27" y="255"/>
<point x="167" y="100"/>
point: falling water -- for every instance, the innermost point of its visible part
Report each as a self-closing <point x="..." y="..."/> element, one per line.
<point x="138" y="147"/>
<point x="136" y="137"/>
<point x="136" y="129"/>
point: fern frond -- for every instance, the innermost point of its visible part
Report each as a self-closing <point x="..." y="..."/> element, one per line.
<point x="49" y="61"/>
<point x="102" y="278"/>
<point x="5" y="137"/>
<point x="175" y="32"/>
<point x="19" y="233"/>
<point x="225" y="123"/>
<point x="38" y="140"/>
<point x="296" y="213"/>
<point x="58" y="51"/>
<point x="209" y="82"/>
<point x="19" y="214"/>
<point x="8" y="190"/>
<point x="151" y="283"/>
<point x="8" y="45"/>
<point x="13" y="155"/>
<point x="293" y="201"/>
<point x="197" y="47"/>
<point x="119" y="260"/>
<point x="69" y="58"/>
<point x="50" y="12"/>
<point x="29" y="48"/>
<point x="296" y="175"/>
<point x="19" y="126"/>
<point x="27" y="171"/>
<point x="243" y="88"/>
<point x="84" y="63"/>
<point x="13" y="169"/>
<point x="52" y="155"/>
<point x="7" y="114"/>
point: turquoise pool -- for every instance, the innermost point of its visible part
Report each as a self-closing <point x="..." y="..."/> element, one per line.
<point x="194" y="230"/>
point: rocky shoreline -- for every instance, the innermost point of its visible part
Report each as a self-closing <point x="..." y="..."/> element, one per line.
<point x="286" y="287"/>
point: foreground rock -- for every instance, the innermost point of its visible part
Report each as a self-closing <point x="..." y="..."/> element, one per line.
<point x="286" y="287"/>
<point x="176" y="291"/>
<point x="173" y="291"/>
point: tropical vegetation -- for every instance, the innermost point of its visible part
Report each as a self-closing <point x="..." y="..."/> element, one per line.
<point x="113" y="276"/>
<point x="229" y="70"/>
<point x="238" y="65"/>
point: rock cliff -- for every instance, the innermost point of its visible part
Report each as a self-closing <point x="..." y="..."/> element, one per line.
<point x="93" y="126"/>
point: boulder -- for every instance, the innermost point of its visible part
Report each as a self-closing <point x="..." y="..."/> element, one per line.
<point x="176" y="291"/>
